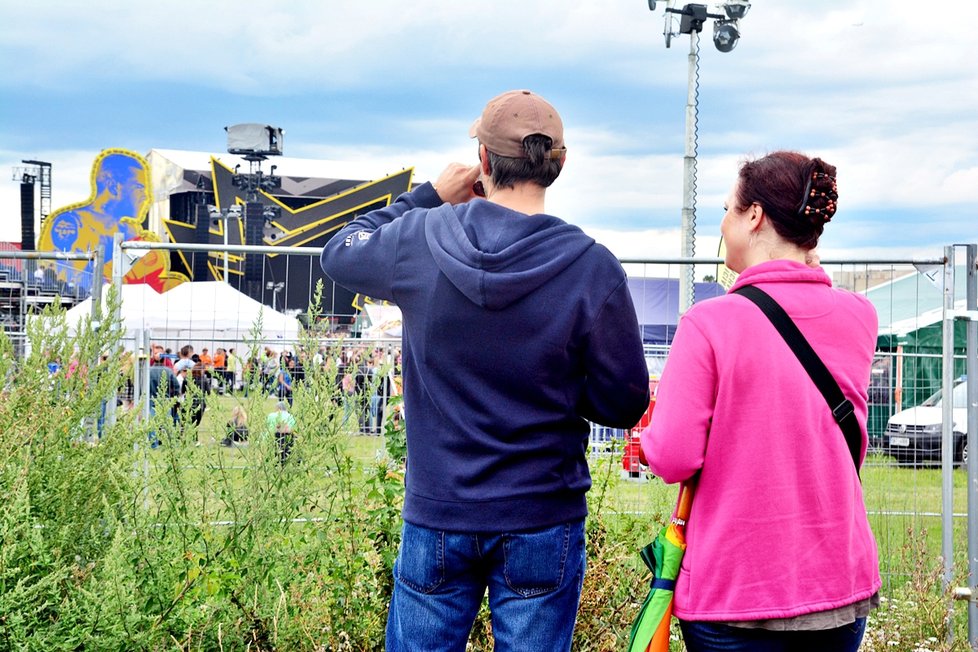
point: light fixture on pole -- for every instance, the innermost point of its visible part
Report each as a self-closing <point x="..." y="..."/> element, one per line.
<point x="275" y="287"/>
<point x="726" y="34"/>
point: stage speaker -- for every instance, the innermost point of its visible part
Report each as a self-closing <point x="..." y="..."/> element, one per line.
<point x="201" y="236"/>
<point x="254" y="264"/>
<point x="27" y="240"/>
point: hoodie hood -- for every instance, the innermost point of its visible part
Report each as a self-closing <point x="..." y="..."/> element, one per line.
<point x="496" y="256"/>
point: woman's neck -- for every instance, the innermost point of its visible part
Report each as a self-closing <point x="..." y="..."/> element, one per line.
<point x="772" y="247"/>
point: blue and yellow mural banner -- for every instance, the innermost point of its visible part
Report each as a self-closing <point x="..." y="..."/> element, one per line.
<point x="118" y="204"/>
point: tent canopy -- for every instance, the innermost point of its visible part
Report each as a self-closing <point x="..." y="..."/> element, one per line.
<point x="206" y="314"/>
<point x="657" y="305"/>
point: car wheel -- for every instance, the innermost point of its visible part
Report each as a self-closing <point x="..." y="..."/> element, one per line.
<point x="961" y="454"/>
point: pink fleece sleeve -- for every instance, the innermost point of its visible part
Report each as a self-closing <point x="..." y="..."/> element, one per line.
<point x="674" y="443"/>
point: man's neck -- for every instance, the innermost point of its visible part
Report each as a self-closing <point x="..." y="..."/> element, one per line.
<point x="526" y="198"/>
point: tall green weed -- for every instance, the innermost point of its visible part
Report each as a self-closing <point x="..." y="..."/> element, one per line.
<point x="108" y="544"/>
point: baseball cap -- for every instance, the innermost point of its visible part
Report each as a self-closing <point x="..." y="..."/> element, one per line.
<point x="511" y="117"/>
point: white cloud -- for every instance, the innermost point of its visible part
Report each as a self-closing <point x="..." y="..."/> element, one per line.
<point x="885" y="93"/>
<point x="251" y="45"/>
<point x="248" y="45"/>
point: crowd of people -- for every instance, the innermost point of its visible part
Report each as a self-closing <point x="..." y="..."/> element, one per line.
<point x="364" y="379"/>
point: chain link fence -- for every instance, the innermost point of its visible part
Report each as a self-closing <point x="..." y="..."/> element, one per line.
<point x="279" y="310"/>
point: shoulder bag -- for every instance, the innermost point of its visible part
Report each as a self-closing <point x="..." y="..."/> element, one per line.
<point x="842" y="409"/>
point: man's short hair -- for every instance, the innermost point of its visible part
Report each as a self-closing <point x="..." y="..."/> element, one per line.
<point x="535" y="167"/>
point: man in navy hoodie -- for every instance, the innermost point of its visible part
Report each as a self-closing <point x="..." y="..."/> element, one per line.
<point x="517" y="330"/>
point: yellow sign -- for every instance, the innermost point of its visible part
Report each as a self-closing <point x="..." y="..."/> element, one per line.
<point x="726" y="277"/>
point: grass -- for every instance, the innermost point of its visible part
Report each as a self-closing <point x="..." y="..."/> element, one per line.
<point x="625" y="513"/>
<point x="903" y="503"/>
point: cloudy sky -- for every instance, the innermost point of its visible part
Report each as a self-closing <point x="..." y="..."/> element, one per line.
<point x="886" y="91"/>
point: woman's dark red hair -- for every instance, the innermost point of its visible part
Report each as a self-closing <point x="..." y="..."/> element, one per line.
<point x="797" y="193"/>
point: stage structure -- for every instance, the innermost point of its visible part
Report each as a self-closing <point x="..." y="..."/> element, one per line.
<point x="195" y="195"/>
<point x="174" y="196"/>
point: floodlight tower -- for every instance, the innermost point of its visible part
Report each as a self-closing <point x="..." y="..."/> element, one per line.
<point x="726" y="33"/>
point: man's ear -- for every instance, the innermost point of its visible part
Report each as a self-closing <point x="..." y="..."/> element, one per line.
<point x="484" y="160"/>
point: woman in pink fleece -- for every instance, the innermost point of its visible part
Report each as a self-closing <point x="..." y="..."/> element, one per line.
<point x="781" y="556"/>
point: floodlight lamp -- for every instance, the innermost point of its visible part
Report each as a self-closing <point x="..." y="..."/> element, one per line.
<point x="736" y="9"/>
<point x="668" y="29"/>
<point x="692" y="18"/>
<point x="213" y="211"/>
<point x="725" y="35"/>
<point x="234" y="210"/>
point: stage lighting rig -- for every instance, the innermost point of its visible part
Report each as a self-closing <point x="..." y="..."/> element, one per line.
<point x="254" y="143"/>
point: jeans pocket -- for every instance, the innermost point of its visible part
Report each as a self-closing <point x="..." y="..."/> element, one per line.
<point x="534" y="561"/>
<point x="421" y="560"/>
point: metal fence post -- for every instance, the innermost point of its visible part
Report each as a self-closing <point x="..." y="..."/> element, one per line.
<point x="96" y="287"/>
<point x="137" y="374"/>
<point x="971" y="353"/>
<point x="110" y="406"/>
<point x="145" y="356"/>
<point x="143" y="362"/>
<point x="947" y="414"/>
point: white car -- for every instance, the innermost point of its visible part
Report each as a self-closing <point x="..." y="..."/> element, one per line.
<point x="914" y="435"/>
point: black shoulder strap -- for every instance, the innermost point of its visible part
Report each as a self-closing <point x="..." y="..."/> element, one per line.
<point x="842" y="409"/>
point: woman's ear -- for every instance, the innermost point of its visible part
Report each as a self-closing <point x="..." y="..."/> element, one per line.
<point x="755" y="216"/>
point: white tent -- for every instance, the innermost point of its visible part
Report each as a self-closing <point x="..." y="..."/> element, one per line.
<point x="207" y="314"/>
<point x="385" y="320"/>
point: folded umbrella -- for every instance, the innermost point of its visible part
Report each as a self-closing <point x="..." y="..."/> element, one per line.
<point x="650" y="632"/>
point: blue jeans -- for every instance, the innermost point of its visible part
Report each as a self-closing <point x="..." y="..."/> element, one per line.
<point x="715" y="637"/>
<point x="154" y="441"/>
<point x="534" y="581"/>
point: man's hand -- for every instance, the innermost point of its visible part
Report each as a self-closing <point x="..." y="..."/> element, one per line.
<point x="454" y="185"/>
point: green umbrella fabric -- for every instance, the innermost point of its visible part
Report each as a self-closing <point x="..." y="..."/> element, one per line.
<point x="664" y="556"/>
